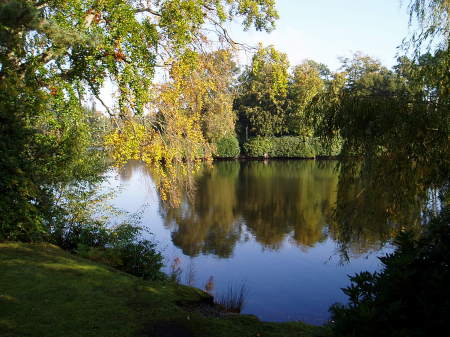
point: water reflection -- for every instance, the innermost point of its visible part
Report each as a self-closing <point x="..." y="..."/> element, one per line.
<point x="207" y="219"/>
<point x="305" y="202"/>
<point x="379" y="196"/>
<point x="273" y="201"/>
<point x="287" y="198"/>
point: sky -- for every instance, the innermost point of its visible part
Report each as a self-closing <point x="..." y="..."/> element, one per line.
<point x="323" y="30"/>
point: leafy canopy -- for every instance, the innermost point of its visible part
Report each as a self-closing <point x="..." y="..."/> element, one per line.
<point x="54" y="54"/>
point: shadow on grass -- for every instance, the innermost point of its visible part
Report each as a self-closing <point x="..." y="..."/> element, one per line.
<point x="167" y="329"/>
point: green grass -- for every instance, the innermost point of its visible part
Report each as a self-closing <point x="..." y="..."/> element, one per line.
<point x="45" y="292"/>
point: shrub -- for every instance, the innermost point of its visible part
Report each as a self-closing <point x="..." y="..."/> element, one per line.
<point x="82" y="227"/>
<point x="119" y="247"/>
<point x="228" y="147"/>
<point x="258" y="147"/>
<point x="292" y="147"/>
<point x="138" y="258"/>
<point x="94" y="234"/>
<point x="410" y="296"/>
<point x="280" y="147"/>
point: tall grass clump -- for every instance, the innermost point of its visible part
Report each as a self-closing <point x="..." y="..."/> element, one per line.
<point x="234" y="298"/>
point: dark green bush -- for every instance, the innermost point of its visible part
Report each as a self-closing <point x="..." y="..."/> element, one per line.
<point x="258" y="147"/>
<point x="82" y="227"/>
<point x="283" y="147"/>
<point x="94" y="234"/>
<point x="292" y="147"/>
<point x="120" y="247"/>
<point x="227" y="147"/>
<point x="138" y="258"/>
<point x="409" y="297"/>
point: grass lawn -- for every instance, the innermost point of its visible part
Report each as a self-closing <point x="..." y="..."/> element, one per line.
<point x="46" y="292"/>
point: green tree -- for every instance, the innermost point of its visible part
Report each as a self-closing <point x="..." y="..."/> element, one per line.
<point x="307" y="81"/>
<point x="431" y="22"/>
<point x="261" y="97"/>
<point x="402" y="140"/>
<point x="218" y="117"/>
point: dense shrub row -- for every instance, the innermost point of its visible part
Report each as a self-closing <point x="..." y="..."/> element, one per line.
<point x="288" y="147"/>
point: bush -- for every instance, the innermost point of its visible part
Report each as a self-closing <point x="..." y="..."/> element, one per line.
<point x="258" y="147"/>
<point x="289" y="147"/>
<point x="138" y="258"/>
<point x="280" y="147"/>
<point x="82" y="227"/>
<point x="409" y="297"/>
<point x="119" y="247"/>
<point x="94" y="234"/>
<point x="292" y="147"/>
<point x="227" y="147"/>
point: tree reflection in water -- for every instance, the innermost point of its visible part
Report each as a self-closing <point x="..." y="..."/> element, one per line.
<point x="302" y="201"/>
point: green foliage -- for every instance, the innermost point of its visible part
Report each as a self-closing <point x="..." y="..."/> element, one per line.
<point x="119" y="247"/>
<point x="258" y="147"/>
<point x="82" y="225"/>
<point x="217" y="72"/>
<point x="289" y="147"/>
<point x="326" y="149"/>
<point x="48" y="144"/>
<point x="307" y="81"/>
<point x="292" y="147"/>
<point x="381" y="111"/>
<point x="228" y="147"/>
<point x="410" y="296"/>
<point x="261" y="99"/>
<point x="432" y="22"/>
<point x="138" y="258"/>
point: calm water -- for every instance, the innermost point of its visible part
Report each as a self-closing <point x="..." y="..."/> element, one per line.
<point x="268" y="224"/>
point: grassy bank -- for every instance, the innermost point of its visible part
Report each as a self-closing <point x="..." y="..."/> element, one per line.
<point x="45" y="291"/>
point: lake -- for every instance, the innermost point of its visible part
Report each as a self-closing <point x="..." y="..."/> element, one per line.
<point x="267" y="224"/>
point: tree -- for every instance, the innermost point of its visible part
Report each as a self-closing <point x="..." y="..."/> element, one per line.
<point x="261" y="100"/>
<point x="401" y="137"/>
<point x="53" y="53"/>
<point x="218" y="117"/>
<point x="307" y="81"/>
<point x="432" y="25"/>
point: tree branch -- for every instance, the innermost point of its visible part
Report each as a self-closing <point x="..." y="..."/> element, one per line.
<point x="147" y="10"/>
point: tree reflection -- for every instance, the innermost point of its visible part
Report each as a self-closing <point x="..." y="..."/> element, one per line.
<point x="274" y="200"/>
<point x="360" y="204"/>
<point x="279" y="198"/>
<point x="380" y="195"/>
<point x="206" y="221"/>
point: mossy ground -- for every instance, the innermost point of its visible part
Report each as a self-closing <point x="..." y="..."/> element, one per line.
<point x="45" y="292"/>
